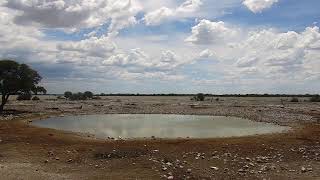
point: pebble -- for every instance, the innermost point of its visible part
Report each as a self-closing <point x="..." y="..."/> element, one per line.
<point x="189" y="170"/>
<point x="164" y="169"/>
<point x="169" y="164"/>
<point x="57" y="158"/>
<point x="170" y="177"/>
<point x="70" y="160"/>
<point x="214" y="168"/>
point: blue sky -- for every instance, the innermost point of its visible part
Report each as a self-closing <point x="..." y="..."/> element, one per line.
<point x="166" y="46"/>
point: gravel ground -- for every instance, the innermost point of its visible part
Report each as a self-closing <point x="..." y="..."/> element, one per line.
<point x="28" y="152"/>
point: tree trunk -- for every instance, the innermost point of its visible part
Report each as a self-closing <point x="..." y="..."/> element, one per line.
<point x="5" y="98"/>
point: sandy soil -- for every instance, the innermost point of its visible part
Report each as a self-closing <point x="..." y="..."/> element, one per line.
<point x="28" y="152"/>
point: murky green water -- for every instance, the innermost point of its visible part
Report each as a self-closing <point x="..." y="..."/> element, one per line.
<point x="159" y="125"/>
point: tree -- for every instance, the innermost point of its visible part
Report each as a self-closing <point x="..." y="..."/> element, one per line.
<point x="16" y="78"/>
<point x="88" y="94"/>
<point x="67" y="94"/>
<point x="39" y="89"/>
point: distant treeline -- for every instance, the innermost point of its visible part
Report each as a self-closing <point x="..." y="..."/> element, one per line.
<point x="214" y="95"/>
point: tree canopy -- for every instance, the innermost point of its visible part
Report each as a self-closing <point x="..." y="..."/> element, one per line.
<point x="17" y="78"/>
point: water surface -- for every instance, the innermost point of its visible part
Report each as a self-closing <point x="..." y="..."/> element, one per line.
<point x="159" y="125"/>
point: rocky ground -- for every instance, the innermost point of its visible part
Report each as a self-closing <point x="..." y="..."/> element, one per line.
<point x="28" y="152"/>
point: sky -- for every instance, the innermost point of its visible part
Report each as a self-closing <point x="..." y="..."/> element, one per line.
<point x="166" y="46"/>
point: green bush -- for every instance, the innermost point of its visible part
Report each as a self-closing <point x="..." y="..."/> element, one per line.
<point x="88" y="94"/>
<point x="24" y="96"/>
<point x="78" y="96"/>
<point x="294" y="99"/>
<point x="35" y="98"/>
<point x="67" y="94"/>
<point x="199" y="97"/>
<point x="315" y="98"/>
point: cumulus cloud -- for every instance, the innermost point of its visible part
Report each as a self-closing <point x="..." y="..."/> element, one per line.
<point x="205" y="54"/>
<point x="270" y="52"/>
<point x="74" y="15"/>
<point x="257" y="6"/>
<point x="207" y="32"/>
<point x="163" y="14"/>
<point x="158" y="16"/>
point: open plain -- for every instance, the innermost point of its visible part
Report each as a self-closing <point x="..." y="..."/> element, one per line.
<point x="28" y="152"/>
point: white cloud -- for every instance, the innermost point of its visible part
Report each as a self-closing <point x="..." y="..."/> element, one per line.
<point x="158" y="16"/>
<point x="271" y="53"/>
<point x="164" y="14"/>
<point x="258" y="6"/>
<point x="189" y="6"/>
<point x="205" y="54"/>
<point x="74" y="15"/>
<point x="207" y="32"/>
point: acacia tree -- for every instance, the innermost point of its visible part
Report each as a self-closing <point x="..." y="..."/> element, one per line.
<point x="16" y="78"/>
<point x="88" y="94"/>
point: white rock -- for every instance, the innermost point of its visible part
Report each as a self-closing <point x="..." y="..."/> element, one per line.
<point x="214" y="168"/>
<point x="170" y="177"/>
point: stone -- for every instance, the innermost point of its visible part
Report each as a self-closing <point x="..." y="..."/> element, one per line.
<point x="241" y="171"/>
<point x="303" y="169"/>
<point x="170" y="177"/>
<point x="189" y="170"/>
<point x="309" y="169"/>
<point x="214" y="168"/>
<point x="169" y="164"/>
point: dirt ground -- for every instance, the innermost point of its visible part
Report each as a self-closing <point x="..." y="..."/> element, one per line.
<point x="28" y="152"/>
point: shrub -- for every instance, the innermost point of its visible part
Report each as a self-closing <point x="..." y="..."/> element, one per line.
<point x="67" y="94"/>
<point x="24" y="96"/>
<point x="199" y="97"/>
<point x="315" y="98"/>
<point x="88" y="94"/>
<point x="78" y="96"/>
<point x="294" y="99"/>
<point x="35" y="98"/>
<point x="96" y="98"/>
<point x="60" y="97"/>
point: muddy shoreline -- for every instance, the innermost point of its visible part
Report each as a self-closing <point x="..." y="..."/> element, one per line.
<point x="30" y="152"/>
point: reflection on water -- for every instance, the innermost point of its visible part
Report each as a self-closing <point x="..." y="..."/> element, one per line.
<point x="159" y="125"/>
